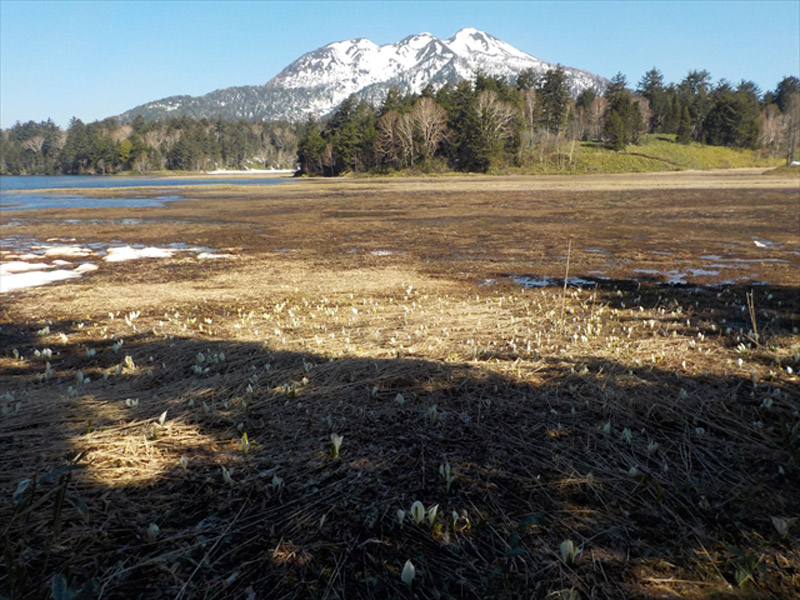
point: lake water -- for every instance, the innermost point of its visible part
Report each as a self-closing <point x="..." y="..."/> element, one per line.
<point x="32" y="192"/>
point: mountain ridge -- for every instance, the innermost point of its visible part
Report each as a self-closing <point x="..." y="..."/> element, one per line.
<point x="318" y="81"/>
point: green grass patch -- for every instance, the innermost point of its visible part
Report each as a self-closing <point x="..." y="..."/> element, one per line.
<point x="656" y="152"/>
<point x="700" y="156"/>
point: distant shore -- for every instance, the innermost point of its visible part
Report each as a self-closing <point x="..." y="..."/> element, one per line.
<point x="249" y="172"/>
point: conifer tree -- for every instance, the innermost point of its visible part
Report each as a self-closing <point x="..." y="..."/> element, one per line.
<point x="684" y="133"/>
<point x="554" y="99"/>
<point x="651" y="86"/>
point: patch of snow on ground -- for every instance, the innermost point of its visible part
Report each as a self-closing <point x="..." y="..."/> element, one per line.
<point x="18" y="266"/>
<point x="74" y="251"/>
<point x="23" y="269"/>
<point x="123" y="253"/>
<point x="33" y="279"/>
<point x="86" y="268"/>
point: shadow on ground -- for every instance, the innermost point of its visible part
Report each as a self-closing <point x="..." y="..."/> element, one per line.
<point x="667" y="483"/>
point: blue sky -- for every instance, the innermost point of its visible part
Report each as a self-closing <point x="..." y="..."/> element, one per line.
<point x="99" y="58"/>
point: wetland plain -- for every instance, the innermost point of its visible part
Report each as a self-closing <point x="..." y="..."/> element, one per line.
<point x="635" y="433"/>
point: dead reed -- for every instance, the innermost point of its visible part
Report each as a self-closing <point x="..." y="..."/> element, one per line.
<point x="627" y="441"/>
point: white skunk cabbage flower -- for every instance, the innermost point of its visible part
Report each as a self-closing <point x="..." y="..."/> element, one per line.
<point x="401" y="516"/>
<point x="432" y="512"/>
<point x="162" y="417"/>
<point x="568" y="551"/>
<point x="336" y="440"/>
<point x="417" y="512"/>
<point x="226" y="476"/>
<point x="152" y="532"/>
<point x="408" y="573"/>
<point x="781" y="526"/>
<point x="183" y="462"/>
<point x="447" y="474"/>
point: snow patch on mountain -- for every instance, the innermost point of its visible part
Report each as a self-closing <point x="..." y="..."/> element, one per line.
<point x="317" y="82"/>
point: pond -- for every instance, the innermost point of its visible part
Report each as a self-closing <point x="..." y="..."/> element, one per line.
<point x="48" y="191"/>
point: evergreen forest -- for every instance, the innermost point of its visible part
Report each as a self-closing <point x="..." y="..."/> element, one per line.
<point x="489" y="124"/>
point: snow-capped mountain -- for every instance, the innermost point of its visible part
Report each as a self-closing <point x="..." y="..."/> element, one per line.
<point x="317" y="82"/>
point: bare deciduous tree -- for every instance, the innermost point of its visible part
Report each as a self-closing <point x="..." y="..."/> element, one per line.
<point x="771" y="130"/>
<point x="495" y="117"/>
<point x="780" y="131"/>
<point x="121" y="133"/>
<point x="34" y="144"/>
<point x="597" y="112"/>
<point x="404" y="134"/>
<point x="792" y="126"/>
<point x="528" y="134"/>
<point x="430" y="122"/>
<point x="328" y="158"/>
<point x="386" y="146"/>
<point x="645" y="111"/>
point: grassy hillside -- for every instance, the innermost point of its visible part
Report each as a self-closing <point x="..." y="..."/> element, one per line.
<point x="657" y="152"/>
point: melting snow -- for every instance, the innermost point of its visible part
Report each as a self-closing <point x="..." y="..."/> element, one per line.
<point x="26" y="269"/>
<point x="19" y="266"/>
<point x="74" y="251"/>
<point x="123" y="253"/>
<point x="33" y="279"/>
<point x="86" y="268"/>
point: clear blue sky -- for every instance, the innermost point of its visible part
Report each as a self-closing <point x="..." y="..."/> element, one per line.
<point x="99" y="58"/>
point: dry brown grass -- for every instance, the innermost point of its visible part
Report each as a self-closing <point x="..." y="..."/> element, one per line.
<point x="530" y="412"/>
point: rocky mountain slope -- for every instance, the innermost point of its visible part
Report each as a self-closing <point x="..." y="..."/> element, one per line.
<point x="318" y="81"/>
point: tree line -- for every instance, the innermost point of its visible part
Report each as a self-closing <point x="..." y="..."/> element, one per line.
<point x="180" y="143"/>
<point x="493" y="123"/>
<point x="489" y="123"/>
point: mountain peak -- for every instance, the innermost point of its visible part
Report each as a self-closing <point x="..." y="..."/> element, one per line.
<point x="469" y="40"/>
<point x="317" y="82"/>
<point x="417" y="36"/>
<point x="468" y="31"/>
